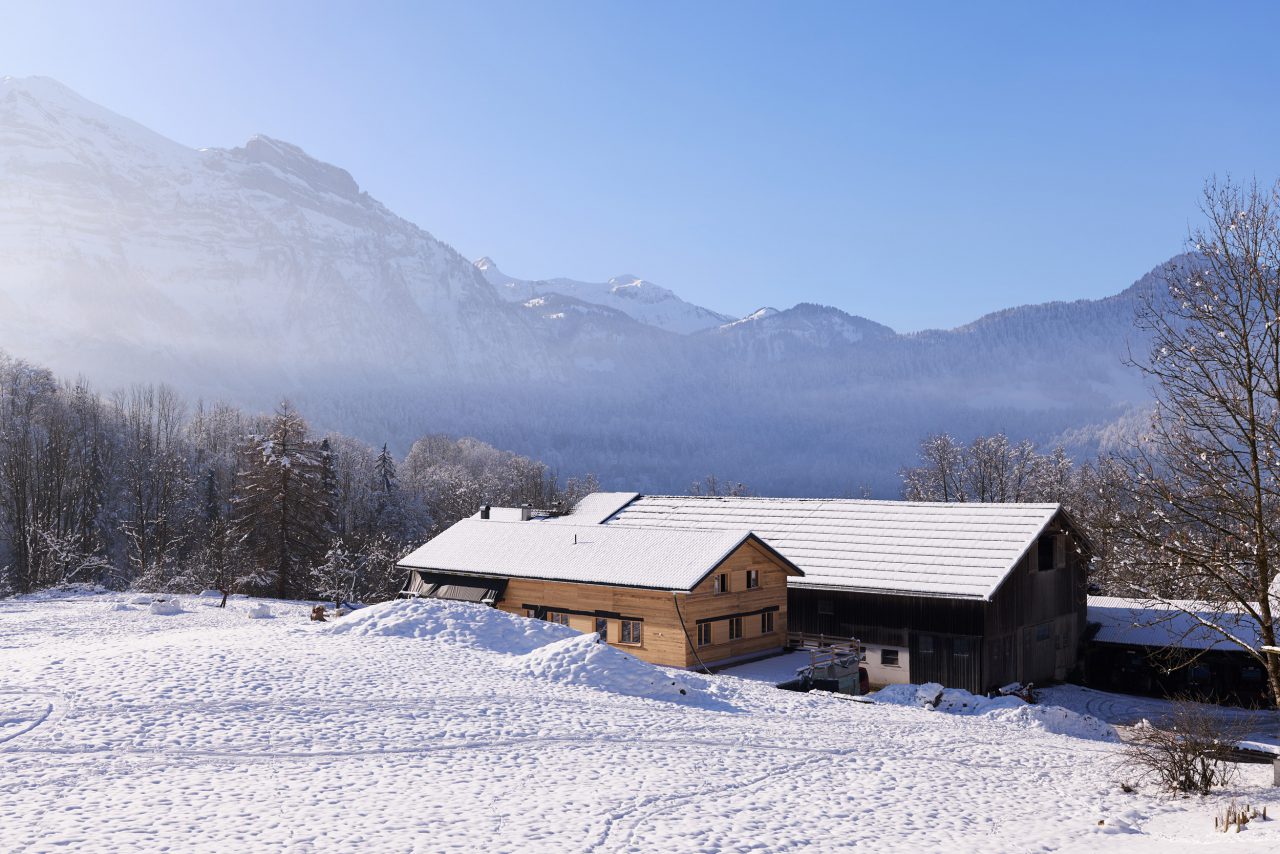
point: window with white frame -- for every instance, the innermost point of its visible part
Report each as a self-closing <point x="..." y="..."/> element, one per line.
<point x="889" y="658"/>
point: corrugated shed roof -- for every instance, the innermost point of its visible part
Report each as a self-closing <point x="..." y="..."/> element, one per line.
<point x="659" y="558"/>
<point x="1143" y="622"/>
<point x="957" y="550"/>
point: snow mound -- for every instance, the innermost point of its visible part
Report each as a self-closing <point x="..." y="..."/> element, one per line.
<point x="459" y="623"/>
<point x="1008" y="710"/>
<point x="583" y="660"/>
<point x="1055" y="719"/>
<point x="141" y="600"/>
<point x="261" y="611"/>
<point x="166" y="609"/>
<point x="922" y="696"/>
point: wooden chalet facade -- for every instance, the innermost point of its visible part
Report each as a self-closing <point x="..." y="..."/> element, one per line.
<point x="674" y="598"/>
<point x="972" y="596"/>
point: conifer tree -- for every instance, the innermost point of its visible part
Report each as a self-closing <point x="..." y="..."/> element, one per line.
<point x="282" y="509"/>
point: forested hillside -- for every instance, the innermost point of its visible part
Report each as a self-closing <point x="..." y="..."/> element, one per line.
<point x="144" y="488"/>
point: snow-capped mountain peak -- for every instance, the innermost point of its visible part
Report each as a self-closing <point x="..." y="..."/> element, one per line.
<point x="758" y="314"/>
<point x="291" y="160"/>
<point x="639" y="299"/>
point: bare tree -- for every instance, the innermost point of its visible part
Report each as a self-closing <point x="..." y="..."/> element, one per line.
<point x="1191" y="751"/>
<point x="1202" y="520"/>
<point x="939" y="477"/>
<point x="712" y="486"/>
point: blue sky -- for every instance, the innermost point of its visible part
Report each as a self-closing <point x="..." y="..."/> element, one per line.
<point x="917" y="163"/>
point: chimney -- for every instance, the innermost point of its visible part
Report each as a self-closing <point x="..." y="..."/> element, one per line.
<point x="484" y="511"/>
<point x="526" y="512"/>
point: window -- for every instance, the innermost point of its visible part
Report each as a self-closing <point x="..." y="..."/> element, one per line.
<point x="632" y="631"/>
<point x="735" y="628"/>
<point x="704" y="634"/>
<point x="961" y="647"/>
<point x="889" y="658"/>
<point x="1042" y="632"/>
<point x="720" y="584"/>
<point x="753" y="579"/>
<point x="531" y="613"/>
<point x="826" y="607"/>
<point x="766" y="622"/>
<point x="926" y="644"/>
<point x="1051" y="552"/>
<point x="602" y="628"/>
<point x="557" y="617"/>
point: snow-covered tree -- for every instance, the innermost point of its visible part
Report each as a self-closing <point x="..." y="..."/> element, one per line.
<point x="282" y="509"/>
<point x="334" y="578"/>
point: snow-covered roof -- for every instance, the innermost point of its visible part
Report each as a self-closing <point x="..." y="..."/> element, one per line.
<point x="957" y="550"/>
<point x="598" y="506"/>
<point x="1144" y="622"/>
<point x="504" y="514"/>
<point x="659" y="558"/>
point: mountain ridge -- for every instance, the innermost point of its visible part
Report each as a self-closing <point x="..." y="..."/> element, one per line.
<point x="255" y="272"/>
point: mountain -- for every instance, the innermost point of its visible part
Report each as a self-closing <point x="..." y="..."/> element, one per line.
<point x="803" y="331"/>
<point x="643" y="301"/>
<point x="257" y="272"/>
<point x="122" y="248"/>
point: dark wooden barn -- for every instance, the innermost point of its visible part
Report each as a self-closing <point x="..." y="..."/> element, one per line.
<point x="1140" y="646"/>
<point x="972" y="596"/>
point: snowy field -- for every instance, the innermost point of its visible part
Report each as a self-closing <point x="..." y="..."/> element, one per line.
<point x="427" y="727"/>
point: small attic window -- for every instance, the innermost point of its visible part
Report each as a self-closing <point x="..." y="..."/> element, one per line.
<point x="1051" y="552"/>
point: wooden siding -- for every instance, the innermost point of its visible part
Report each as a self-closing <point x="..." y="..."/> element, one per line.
<point x="1030" y="631"/>
<point x="881" y="618"/>
<point x="704" y="605"/>
<point x="1035" y="622"/>
<point x="664" y="638"/>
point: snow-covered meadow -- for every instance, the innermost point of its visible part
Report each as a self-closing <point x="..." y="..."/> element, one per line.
<point x="420" y="726"/>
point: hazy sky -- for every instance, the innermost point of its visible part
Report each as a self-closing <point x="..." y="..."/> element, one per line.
<point x="919" y="164"/>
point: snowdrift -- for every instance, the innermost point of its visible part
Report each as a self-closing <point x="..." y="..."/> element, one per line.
<point x="457" y="623"/>
<point x="1007" y="710"/>
<point x="261" y="611"/>
<point x="583" y="660"/>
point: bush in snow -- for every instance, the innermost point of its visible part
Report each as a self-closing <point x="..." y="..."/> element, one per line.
<point x="1189" y="752"/>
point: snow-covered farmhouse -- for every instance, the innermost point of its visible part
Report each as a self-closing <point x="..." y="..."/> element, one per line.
<point x="680" y="598"/>
<point x="973" y="596"/>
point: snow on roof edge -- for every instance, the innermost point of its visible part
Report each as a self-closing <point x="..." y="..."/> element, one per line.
<point x="1049" y="511"/>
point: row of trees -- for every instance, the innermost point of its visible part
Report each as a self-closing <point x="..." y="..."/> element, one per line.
<point x="1189" y="514"/>
<point x="140" y="488"/>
